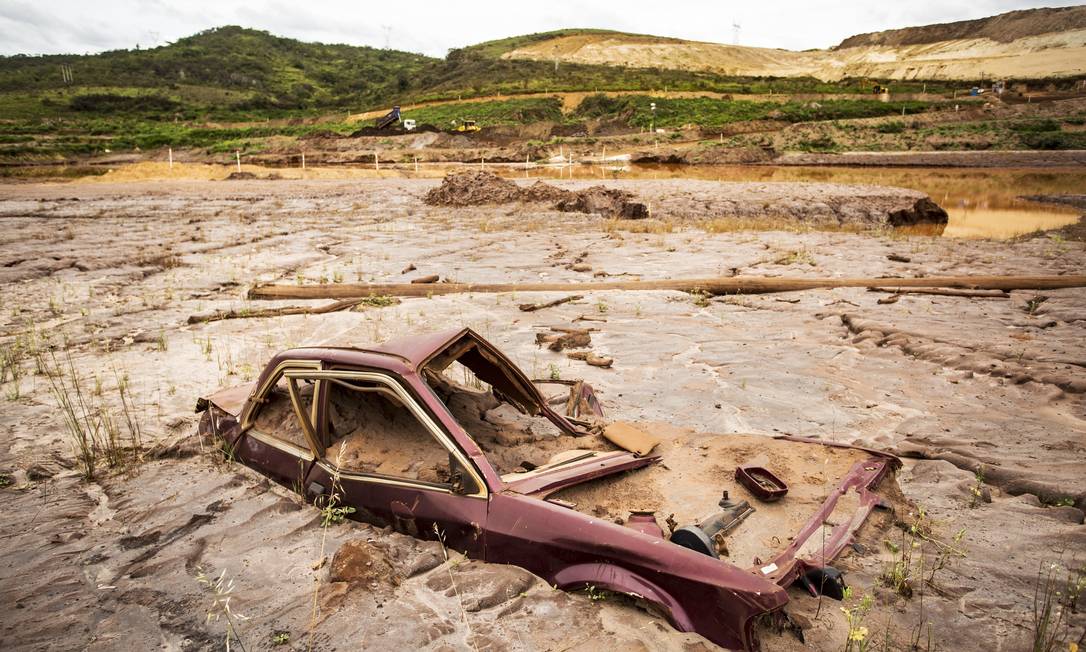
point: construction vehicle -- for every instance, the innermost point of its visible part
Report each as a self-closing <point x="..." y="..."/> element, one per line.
<point x="409" y="124"/>
<point x="389" y="119"/>
<point x="879" y="89"/>
<point x="467" y="125"/>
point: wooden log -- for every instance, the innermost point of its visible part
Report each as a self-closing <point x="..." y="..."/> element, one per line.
<point x="532" y="307"/>
<point x="714" y="286"/>
<point x="947" y="292"/>
<point x="220" y="315"/>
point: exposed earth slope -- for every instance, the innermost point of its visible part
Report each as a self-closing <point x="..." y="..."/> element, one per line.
<point x="1024" y="44"/>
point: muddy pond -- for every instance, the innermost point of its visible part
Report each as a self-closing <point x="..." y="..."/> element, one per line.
<point x="981" y="202"/>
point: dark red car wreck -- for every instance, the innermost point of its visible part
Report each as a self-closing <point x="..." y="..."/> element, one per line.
<point x="441" y="435"/>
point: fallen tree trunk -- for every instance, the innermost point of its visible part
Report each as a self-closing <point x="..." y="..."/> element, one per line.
<point x="946" y="292"/>
<point x="532" y="307"/>
<point x="220" y="315"/>
<point x="715" y="286"/>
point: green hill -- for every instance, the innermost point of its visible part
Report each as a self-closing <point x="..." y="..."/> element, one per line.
<point x="231" y="66"/>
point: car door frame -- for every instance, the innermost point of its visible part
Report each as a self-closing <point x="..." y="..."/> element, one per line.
<point x="283" y="461"/>
<point x="414" y="506"/>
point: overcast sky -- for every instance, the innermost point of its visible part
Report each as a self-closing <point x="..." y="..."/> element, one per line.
<point x="85" y="26"/>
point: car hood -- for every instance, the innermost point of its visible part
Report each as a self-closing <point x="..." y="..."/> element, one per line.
<point x="231" y="399"/>
<point x="573" y="468"/>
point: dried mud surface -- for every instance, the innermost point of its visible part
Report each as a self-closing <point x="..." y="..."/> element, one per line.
<point x="114" y="270"/>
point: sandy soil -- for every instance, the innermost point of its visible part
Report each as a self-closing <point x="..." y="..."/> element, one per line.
<point x="1056" y="54"/>
<point x="114" y="270"/>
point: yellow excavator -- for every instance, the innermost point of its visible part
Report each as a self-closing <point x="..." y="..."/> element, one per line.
<point x="467" y="125"/>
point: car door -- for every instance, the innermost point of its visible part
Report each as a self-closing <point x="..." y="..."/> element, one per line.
<point x="277" y="433"/>
<point x="382" y="453"/>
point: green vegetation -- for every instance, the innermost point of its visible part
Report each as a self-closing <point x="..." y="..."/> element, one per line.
<point x="233" y="88"/>
<point x="486" y="114"/>
<point x="712" y="112"/>
<point x="256" y="70"/>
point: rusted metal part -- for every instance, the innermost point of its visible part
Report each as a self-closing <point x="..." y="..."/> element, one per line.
<point x="511" y="519"/>
<point x="714" y="286"/>
<point x="761" y="482"/>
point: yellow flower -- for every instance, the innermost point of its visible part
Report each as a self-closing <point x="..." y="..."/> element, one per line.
<point x="858" y="634"/>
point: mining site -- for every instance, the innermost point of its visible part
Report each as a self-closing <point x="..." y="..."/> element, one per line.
<point x="675" y="346"/>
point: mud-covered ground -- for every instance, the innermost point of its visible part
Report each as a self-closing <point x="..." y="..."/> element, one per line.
<point x="109" y="273"/>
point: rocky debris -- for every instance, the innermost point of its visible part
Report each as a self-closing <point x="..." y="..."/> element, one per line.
<point x="591" y="359"/>
<point x="360" y="562"/>
<point x="924" y="211"/>
<point x="605" y="201"/>
<point x="478" y="187"/>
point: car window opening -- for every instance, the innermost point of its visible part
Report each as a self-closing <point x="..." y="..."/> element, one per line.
<point x="276" y="416"/>
<point x="370" y="431"/>
<point x="515" y="438"/>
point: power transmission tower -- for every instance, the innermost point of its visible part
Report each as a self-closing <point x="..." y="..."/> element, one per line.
<point x="387" y="29"/>
<point x="735" y="32"/>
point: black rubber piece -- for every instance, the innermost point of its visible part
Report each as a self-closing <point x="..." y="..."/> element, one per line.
<point x="694" y="538"/>
<point x="827" y="581"/>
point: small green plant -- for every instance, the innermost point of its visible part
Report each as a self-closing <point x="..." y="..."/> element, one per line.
<point x="221" y="590"/>
<point x="1056" y="594"/>
<point x="976" y="490"/>
<point x="554" y="372"/>
<point x="594" y="594"/>
<point x="5" y="480"/>
<point x="798" y="257"/>
<point x="280" y="638"/>
<point x="857" y="640"/>
<point x="601" y="306"/>
<point x="700" y="297"/>
<point x="380" y="301"/>
<point x="1034" y="304"/>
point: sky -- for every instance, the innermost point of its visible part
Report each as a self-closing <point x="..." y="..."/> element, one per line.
<point x="88" y="26"/>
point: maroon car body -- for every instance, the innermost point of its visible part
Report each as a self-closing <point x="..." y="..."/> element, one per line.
<point x="508" y="519"/>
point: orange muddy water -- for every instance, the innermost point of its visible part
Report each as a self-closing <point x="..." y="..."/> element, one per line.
<point x="981" y="202"/>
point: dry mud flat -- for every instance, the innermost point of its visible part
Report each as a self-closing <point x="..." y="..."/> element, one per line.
<point x="115" y="271"/>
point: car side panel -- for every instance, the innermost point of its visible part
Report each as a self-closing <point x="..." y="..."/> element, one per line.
<point x="413" y="510"/>
<point x="572" y="550"/>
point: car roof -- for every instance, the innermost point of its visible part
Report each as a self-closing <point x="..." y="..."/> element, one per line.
<point x="410" y="351"/>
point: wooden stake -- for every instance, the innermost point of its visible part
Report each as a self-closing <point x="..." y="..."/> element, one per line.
<point x="237" y="155"/>
<point x="303" y="160"/>
<point x="171" y="157"/>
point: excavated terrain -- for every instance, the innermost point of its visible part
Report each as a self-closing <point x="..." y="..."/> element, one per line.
<point x="986" y="398"/>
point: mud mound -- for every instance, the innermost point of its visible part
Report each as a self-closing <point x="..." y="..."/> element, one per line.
<point x="474" y="188"/>
<point x="477" y="187"/>
<point x="924" y="211"/>
<point x="605" y="201"/>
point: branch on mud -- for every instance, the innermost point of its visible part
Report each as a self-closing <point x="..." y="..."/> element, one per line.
<point x="532" y="307"/>
<point x="948" y="292"/>
<point x="220" y="315"/>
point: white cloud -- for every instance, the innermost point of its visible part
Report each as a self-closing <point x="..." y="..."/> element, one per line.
<point x="55" y="26"/>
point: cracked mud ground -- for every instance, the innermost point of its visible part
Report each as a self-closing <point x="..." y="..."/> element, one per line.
<point x="113" y="271"/>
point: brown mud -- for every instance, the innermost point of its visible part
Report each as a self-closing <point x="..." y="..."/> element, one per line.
<point x="113" y="271"/>
<point x="477" y="187"/>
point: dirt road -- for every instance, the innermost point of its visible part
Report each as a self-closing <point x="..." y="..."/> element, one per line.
<point x="112" y="272"/>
